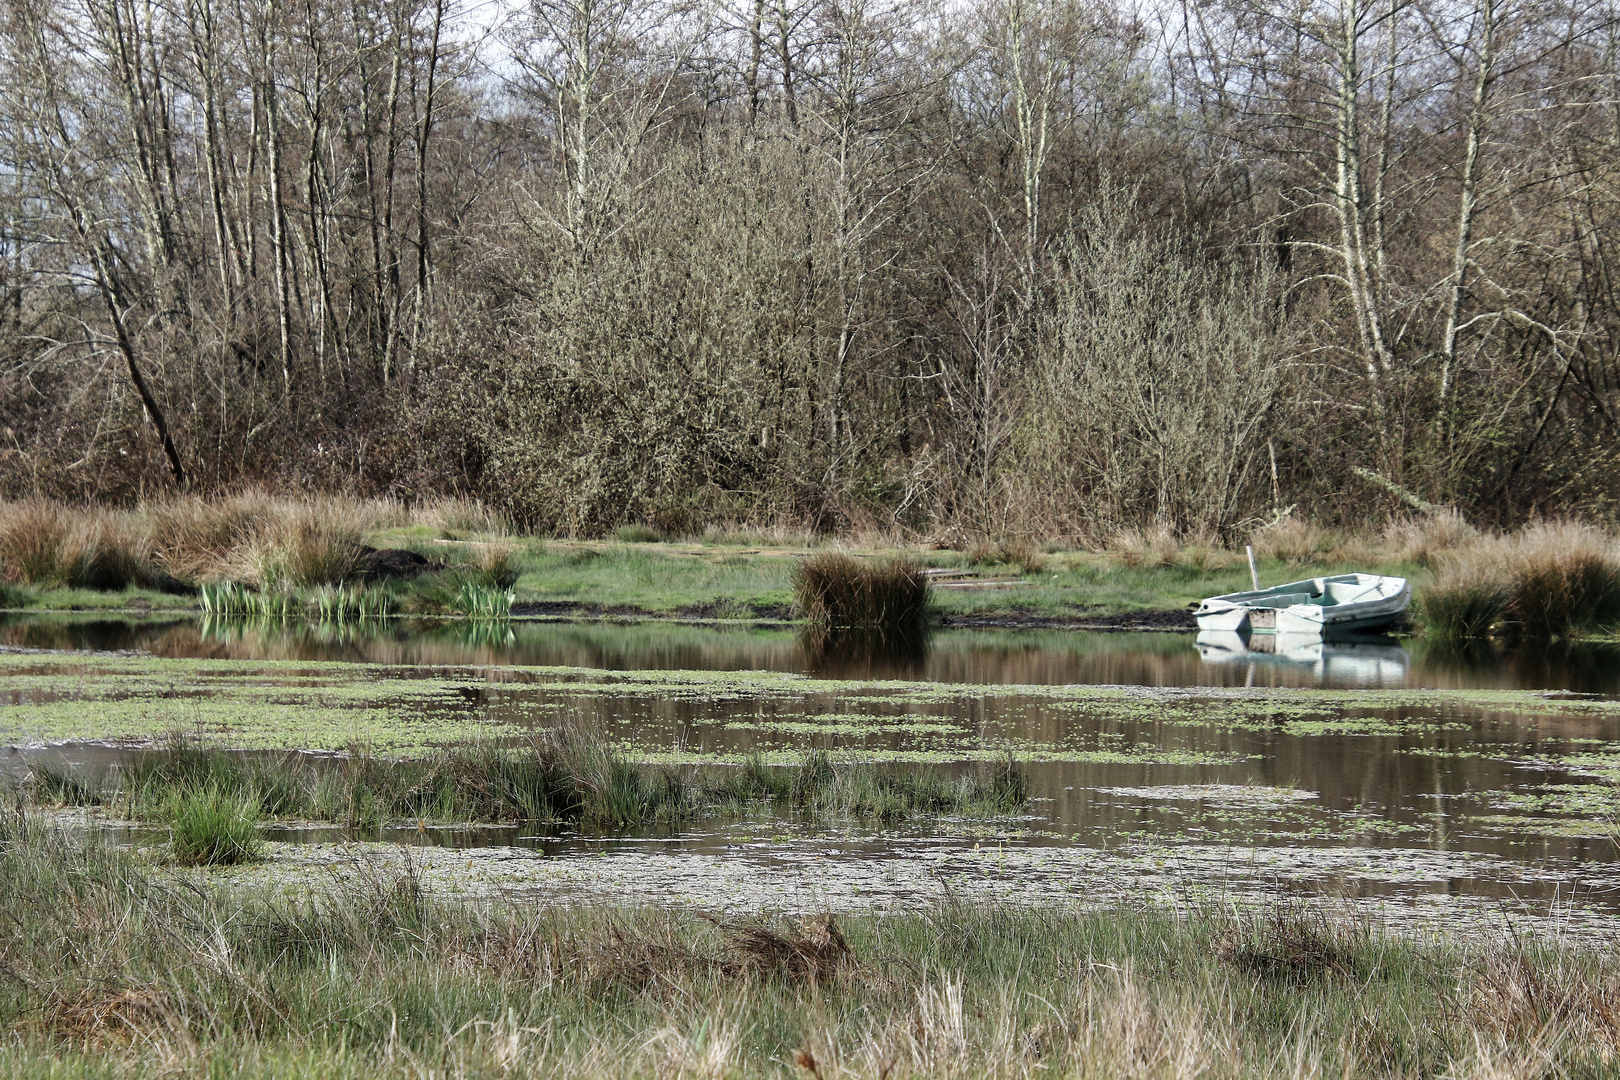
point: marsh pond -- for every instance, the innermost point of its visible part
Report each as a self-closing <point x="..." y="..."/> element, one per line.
<point x="1431" y="786"/>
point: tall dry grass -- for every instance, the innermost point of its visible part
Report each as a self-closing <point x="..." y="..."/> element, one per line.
<point x="877" y="594"/>
<point x="197" y="540"/>
<point x="1552" y="580"/>
<point x="250" y="538"/>
<point x="46" y="543"/>
<point x="300" y="545"/>
<point x="1424" y="539"/>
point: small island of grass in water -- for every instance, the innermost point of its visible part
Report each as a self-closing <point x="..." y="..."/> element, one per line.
<point x="211" y="799"/>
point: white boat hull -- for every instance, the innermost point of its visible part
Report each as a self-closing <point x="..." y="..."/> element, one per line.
<point x="1345" y="603"/>
<point x="1362" y="661"/>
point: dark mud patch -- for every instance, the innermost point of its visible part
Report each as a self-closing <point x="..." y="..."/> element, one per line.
<point x="713" y="610"/>
<point x="1125" y="622"/>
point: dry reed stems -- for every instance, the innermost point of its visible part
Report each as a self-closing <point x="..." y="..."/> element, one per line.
<point x="843" y="592"/>
<point x="250" y="538"/>
<point x="1552" y="580"/>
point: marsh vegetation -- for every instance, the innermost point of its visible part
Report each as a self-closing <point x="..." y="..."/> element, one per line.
<point x="254" y="556"/>
<point x="561" y="775"/>
<point x="837" y="592"/>
<point x="1549" y="581"/>
<point x="116" y="967"/>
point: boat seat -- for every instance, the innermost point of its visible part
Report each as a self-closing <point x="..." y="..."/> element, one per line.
<point x="1340" y="592"/>
<point x="1283" y="600"/>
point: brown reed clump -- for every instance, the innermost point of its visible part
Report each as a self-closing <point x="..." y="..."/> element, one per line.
<point x="1461" y="605"/>
<point x="814" y="955"/>
<point x="1295" y="944"/>
<point x="1553" y="580"/>
<point x="46" y="543"/>
<point x="196" y="539"/>
<point x="304" y="544"/>
<point x="1565" y="579"/>
<point x="31" y="536"/>
<point x="1016" y="553"/>
<point x="1519" y="997"/>
<point x="1138" y="548"/>
<point x="849" y="593"/>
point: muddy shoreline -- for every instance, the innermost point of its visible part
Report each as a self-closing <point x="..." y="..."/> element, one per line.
<point x="763" y="615"/>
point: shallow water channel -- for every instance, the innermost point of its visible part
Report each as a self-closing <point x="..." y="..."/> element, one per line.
<point x="1440" y="785"/>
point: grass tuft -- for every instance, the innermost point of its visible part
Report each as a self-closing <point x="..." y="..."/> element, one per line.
<point x="844" y="592"/>
<point x="1459" y="606"/>
<point x="639" y="534"/>
<point x="1565" y="578"/>
<point x="1553" y="580"/>
<point x="491" y="566"/>
<point x="1018" y="553"/>
<point x="32" y="533"/>
<point x="45" y="543"/>
<point x="305" y="545"/>
<point x="210" y="826"/>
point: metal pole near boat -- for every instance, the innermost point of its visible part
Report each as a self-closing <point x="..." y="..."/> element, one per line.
<point x="1254" y="575"/>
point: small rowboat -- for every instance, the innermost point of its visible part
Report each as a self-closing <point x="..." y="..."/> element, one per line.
<point x="1339" y="604"/>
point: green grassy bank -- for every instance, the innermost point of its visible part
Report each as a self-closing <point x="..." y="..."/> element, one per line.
<point x="263" y="557"/>
<point x="729" y="581"/>
<point x="112" y="967"/>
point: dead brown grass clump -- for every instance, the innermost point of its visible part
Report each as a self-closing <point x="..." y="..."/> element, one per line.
<point x="258" y="540"/>
<point x="491" y="565"/>
<point x="1552" y="580"/>
<point x="304" y="544"/>
<point x="196" y="539"/>
<point x="45" y="543"/>
<point x="1296" y="945"/>
<point x="1521" y="1000"/>
<point x="99" y="1017"/>
<point x="454" y="516"/>
<point x="814" y="955"/>
<point x="1017" y="553"/>
<point x="1138" y="548"/>
<point x="841" y="591"/>
<point x="1425" y="539"/>
<point x="104" y="551"/>
<point x="31" y="536"/>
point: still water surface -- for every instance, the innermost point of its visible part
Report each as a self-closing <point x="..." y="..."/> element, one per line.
<point x="995" y="656"/>
<point x="1212" y="762"/>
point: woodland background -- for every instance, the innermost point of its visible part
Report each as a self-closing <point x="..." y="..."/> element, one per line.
<point x="1003" y="266"/>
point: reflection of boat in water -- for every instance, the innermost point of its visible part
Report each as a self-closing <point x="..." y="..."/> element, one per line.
<point x="1321" y="605"/>
<point x="1361" y="659"/>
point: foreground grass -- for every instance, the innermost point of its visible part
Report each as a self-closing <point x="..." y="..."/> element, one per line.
<point x="211" y="798"/>
<point x="115" y="968"/>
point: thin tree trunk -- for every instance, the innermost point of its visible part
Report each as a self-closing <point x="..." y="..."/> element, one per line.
<point x="1468" y="198"/>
